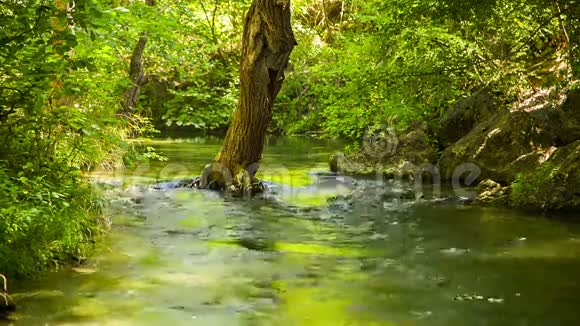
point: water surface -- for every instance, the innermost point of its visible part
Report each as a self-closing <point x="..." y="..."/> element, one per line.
<point x="188" y="257"/>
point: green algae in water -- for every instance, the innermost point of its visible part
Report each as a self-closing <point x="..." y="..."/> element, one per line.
<point x="192" y="222"/>
<point x="311" y="197"/>
<point x="188" y="157"/>
<point x="153" y="258"/>
<point x="253" y="263"/>
<point x="318" y="249"/>
<point x="89" y="307"/>
<point x="128" y="220"/>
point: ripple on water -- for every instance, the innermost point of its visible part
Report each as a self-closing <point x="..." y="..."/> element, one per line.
<point x="310" y="255"/>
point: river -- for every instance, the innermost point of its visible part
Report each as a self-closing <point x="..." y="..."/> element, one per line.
<point x="298" y="257"/>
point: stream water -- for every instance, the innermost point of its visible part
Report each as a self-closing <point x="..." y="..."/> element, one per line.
<point x="188" y="257"/>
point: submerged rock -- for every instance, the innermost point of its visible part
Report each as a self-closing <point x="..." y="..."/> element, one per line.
<point x="174" y="184"/>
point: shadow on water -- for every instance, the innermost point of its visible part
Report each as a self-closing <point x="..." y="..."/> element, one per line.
<point x="311" y="256"/>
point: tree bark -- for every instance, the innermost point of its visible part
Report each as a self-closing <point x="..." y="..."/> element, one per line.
<point x="267" y="43"/>
<point x="136" y="72"/>
<point x="137" y="76"/>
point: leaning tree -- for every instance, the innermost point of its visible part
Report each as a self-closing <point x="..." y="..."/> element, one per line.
<point x="267" y="43"/>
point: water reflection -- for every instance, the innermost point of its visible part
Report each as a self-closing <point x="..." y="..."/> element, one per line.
<point x="189" y="257"/>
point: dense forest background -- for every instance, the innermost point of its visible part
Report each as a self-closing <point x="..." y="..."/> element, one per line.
<point x="80" y="79"/>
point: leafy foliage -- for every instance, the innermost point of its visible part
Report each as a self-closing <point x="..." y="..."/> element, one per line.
<point x="60" y="85"/>
<point x="193" y="63"/>
<point x="392" y="62"/>
<point x="359" y="65"/>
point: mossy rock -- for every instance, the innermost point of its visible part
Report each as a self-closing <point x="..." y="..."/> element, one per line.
<point x="512" y="142"/>
<point x="465" y="115"/>
<point x="494" y="145"/>
<point x="554" y="185"/>
<point x="492" y="193"/>
<point x="401" y="157"/>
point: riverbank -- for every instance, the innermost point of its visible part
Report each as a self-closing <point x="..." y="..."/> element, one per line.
<point x="523" y="155"/>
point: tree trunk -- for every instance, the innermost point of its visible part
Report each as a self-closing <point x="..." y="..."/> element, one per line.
<point x="267" y="43"/>
<point x="137" y="76"/>
<point x="136" y="72"/>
